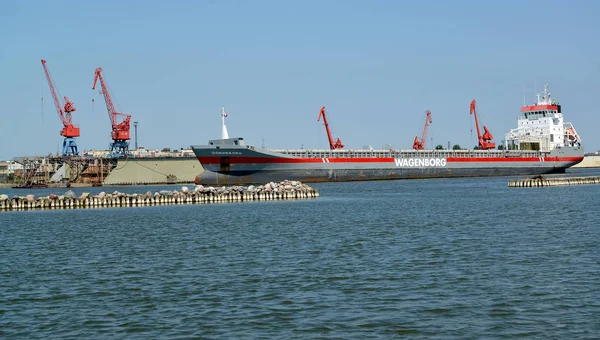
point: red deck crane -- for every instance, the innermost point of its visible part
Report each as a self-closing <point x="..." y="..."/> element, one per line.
<point x="69" y="131"/>
<point x="485" y="142"/>
<point x="420" y="144"/>
<point x="332" y="145"/>
<point x="120" y="131"/>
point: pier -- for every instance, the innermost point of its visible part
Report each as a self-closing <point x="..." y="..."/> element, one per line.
<point x="540" y="181"/>
<point x="285" y="190"/>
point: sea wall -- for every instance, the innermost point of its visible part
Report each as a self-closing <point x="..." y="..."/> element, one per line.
<point x="140" y="171"/>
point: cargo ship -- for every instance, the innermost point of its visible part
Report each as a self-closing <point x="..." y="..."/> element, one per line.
<point x="542" y="143"/>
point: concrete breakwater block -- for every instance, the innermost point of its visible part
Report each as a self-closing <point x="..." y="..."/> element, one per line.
<point x="285" y="190"/>
<point x="540" y="181"/>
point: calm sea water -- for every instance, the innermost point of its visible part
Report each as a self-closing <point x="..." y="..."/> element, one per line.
<point x="448" y="258"/>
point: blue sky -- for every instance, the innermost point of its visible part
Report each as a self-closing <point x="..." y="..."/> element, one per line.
<point x="376" y="65"/>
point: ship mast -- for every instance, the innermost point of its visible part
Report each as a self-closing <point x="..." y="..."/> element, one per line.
<point x="224" y="134"/>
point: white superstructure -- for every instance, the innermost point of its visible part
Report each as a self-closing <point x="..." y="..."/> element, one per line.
<point x="541" y="127"/>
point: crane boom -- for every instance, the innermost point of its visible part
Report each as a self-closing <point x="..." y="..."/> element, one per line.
<point x="485" y="140"/>
<point x="69" y="131"/>
<point x="420" y="144"/>
<point x="120" y="131"/>
<point x="332" y="145"/>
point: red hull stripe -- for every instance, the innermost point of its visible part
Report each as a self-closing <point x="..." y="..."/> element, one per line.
<point x="256" y="160"/>
<point x="515" y="159"/>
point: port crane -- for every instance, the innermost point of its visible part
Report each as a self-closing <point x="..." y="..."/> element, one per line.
<point x="420" y="144"/>
<point x="485" y="140"/>
<point x="69" y="131"/>
<point x="120" y="130"/>
<point x="332" y="145"/>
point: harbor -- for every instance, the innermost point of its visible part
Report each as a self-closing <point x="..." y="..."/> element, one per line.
<point x="299" y="170"/>
<point x="537" y="146"/>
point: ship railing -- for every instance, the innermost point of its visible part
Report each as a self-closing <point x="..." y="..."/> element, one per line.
<point x="349" y="153"/>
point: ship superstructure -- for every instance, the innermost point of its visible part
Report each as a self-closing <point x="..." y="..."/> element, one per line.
<point x="541" y="127"/>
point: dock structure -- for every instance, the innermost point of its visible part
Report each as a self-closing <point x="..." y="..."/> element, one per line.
<point x="55" y="171"/>
<point x="285" y="190"/>
<point x="78" y="171"/>
<point x="540" y="181"/>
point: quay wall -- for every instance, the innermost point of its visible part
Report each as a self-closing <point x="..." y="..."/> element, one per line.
<point x="139" y="171"/>
<point x="592" y="161"/>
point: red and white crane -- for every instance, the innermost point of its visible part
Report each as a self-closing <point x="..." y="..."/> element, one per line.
<point x="69" y="131"/>
<point x="120" y="130"/>
<point x="420" y="144"/>
<point x="332" y="145"/>
<point x="485" y="140"/>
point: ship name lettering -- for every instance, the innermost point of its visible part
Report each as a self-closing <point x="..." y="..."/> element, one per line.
<point x="420" y="162"/>
<point x="226" y="153"/>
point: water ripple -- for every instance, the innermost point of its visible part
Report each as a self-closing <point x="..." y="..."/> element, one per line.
<point x="414" y="259"/>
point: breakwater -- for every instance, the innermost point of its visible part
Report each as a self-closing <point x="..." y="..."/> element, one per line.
<point x="541" y="181"/>
<point x="285" y="190"/>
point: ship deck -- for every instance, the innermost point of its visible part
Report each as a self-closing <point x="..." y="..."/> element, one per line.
<point x="359" y="153"/>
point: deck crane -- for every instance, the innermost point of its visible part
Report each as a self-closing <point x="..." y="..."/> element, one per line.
<point x="420" y="144"/>
<point x="332" y="145"/>
<point x="120" y="131"/>
<point x="485" y="140"/>
<point x="69" y="131"/>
